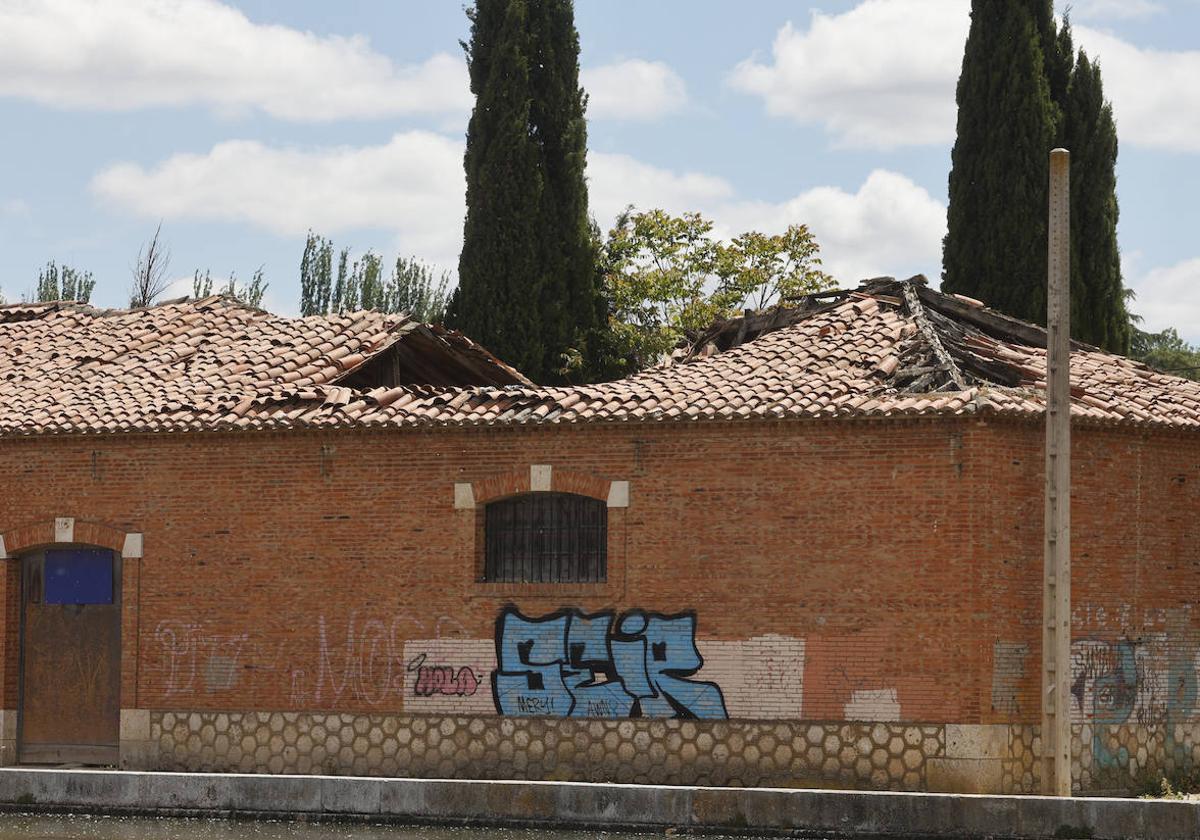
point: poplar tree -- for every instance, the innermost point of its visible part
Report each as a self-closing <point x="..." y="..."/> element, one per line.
<point x="1098" y="312"/>
<point x="64" y="284"/>
<point x="995" y="246"/>
<point x="528" y="287"/>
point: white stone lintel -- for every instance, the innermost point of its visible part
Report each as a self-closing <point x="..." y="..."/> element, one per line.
<point x="464" y="496"/>
<point x="133" y="546"/>
<point x="64" y="529"/>
<point x="540" y="478"/>
<point x="618" y="494"/>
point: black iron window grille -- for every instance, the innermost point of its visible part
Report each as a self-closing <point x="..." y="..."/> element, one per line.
<point x="546" y="538"/>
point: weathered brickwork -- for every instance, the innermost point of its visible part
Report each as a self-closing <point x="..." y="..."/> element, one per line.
<point x="861" y="580"/>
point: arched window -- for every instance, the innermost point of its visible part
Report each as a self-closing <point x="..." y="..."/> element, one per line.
<point x="546" y="538"/>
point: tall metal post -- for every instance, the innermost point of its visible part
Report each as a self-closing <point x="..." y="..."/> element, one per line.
<point x="1056" y="598"/>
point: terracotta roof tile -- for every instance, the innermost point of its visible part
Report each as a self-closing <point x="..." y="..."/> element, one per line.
<point x="210" y="364"/>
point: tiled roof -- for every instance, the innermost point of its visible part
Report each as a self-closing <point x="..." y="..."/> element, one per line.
<point x="67" y="367"/>
<point x="889" y="348"/>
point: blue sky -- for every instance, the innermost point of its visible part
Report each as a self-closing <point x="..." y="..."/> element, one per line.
<point x="243" y="124"/>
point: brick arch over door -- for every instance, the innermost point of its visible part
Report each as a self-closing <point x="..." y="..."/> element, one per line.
<point x="520" y="480"/>
<point x="68" y="529"/>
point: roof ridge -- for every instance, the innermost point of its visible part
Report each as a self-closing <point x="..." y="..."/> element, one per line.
<point x="917" y="311"/>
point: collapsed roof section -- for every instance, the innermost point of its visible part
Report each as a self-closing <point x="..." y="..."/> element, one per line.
<point x="69" y="367"/>
<point x="886" y="349"/>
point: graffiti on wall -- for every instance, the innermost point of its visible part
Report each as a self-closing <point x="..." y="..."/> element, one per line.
<point x="1145" y="681"/>
<point x="441" y="679"/>
<point x="361" y="660"/>
<point x="572" y="664"/>
<point x="195" y="658"/>
<point x="450" y="675"/>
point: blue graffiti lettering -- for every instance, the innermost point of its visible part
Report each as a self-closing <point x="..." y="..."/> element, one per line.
<point x="571" y="664"/>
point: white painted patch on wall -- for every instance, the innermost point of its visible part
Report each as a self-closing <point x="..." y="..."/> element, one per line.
<point x="449" y="676"/>
<point x="64" y="529"/>
<point x="761" y="678"/>
<point x="874" y="704"/>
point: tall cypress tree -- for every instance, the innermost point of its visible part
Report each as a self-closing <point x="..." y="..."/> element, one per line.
<point x="996" y="241"/>
<point x="497" y="301"/>
<point x="527" y="282"/>
<point x="995" y="246"/>
<point x="572" y="304"/>
<point x="1098" y="313"/>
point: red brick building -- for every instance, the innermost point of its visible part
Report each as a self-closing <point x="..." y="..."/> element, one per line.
<point x="809" y="552"/>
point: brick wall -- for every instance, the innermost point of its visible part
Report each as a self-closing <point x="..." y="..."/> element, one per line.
<point x="836" y="571"/>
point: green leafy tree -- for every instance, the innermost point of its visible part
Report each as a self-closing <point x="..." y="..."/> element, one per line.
<point x="65" y="283"/>
<point x="1098" y="312"/>
<point x="995" y="246"/>
<point x="1166" y="351"/>
<point x="528" y="289"/>
<point x="251" y="294"/>
<point x="667" y="277"/>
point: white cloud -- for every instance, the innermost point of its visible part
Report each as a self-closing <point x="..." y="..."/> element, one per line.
<point x="890" y="225"/>
<point x="1166" y="297"/>
<point x="1156" y="102"/>
<point x="880" y="75"/>
<point x="1113" y="9"/>
<point x="869" y="86"/>
<point x="144" y="53"/>
<point x="616" y="181"/>
<point x="413" y="184"/>
<point x="413" y="188"/>
<point x="14" y="208"/>
<point x="633" y="90"/>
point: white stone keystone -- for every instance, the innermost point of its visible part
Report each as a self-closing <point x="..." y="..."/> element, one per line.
<point x="539" y="478"/>
<point x="64" y="529"/>
<point x="3" y="553"/>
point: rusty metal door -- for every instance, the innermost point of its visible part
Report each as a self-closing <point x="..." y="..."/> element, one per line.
<point x="70" y="656"/>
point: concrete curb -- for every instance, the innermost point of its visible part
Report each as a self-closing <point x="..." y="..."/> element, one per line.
<point x="583" y="805"/>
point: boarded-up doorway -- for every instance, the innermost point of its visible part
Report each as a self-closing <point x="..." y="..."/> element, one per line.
<point x="70" y="656"/>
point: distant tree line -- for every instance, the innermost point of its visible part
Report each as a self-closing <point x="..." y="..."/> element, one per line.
<point x="412" y="287"/>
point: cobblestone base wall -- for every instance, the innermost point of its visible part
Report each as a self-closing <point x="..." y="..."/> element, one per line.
<point x="865" y="755"/>
<point x="1119" y="758"/>
<point x="1132" y="757"/>
<point x="884" y="756"/>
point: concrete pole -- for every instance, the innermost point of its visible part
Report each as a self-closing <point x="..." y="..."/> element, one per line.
<point x="1056" y="599"/>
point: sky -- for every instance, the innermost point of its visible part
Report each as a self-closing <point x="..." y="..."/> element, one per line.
<point x="243" y="124"/>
